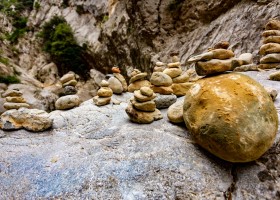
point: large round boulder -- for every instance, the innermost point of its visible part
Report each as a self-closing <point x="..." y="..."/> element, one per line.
<point x="231" y="116"/>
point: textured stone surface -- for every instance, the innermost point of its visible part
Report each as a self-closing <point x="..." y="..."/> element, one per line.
<point x="180" y="89"/>
<point x="184" y="77"/>
<point x="164" y="101"/>
<point x="142" y="98"/>
<point x="70" y="83"/>
<point x="15" y="99"/>
<point x="137" y="77"/>
<point x="271" y="58"/>
<point x="270" y="48"/>
<point x="221" y="54"/>
<point x="147" y="106"/>
<point x="138" y="84"/>
<point x="162" y="89"/>
<point x="10" y="105"/>
<point x="232" y="116"/>
<point x="173" y="72"/>
<point x="67" y="77"/>
<point x="147" y="91"/>
<point x="272" y="39"/>
<point x="275" y="76"/>
<point x="101" y="101"/>
<point x="122" y="80"/>
<point x="105" y="92"/>
<point x="30" y="119"/>
<point x="115" y="85"/>
<point x="67" y="102"/>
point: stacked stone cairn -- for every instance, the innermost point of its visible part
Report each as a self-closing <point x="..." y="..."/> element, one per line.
<point x="117" y="83"/>
<point x="137" y="80"/>
<point x="270" y="50"/>
<point x="142" y="108"/>
<point x="18" y="114"/>
<point x="14" y="100"/>
<point x="219" y="59"/>
<point x="214" y="104"/>
<point x="69" y="99"/>
<point x="161" y="84"/>
<point x="104" y="94"/>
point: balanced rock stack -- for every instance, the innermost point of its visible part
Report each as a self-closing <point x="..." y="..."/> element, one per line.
<point x="69" y="99"/>
<point x="14" y="100"/>
<point x="103" y="94"/>
<point x="270" y="50"/>
<point x="117" y="83"/>
<point x="142" y="108"/>
<point x="160" y="67"/>
<point x="138" y="80"/>
<point x="161" y="84"/>
<point x="219" y="59"/>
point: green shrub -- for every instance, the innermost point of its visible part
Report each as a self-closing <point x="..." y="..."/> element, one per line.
<point x="37" y="5"/>
<point x="19" y="24"/>
<point x="60" y="43"/>
<point x="5" y="61"/>
<point x="9" y="79"/>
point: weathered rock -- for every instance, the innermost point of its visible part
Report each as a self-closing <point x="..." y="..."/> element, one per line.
<point x="271" y="33"/>
<point x="12" y="93"/>
<point x="213" y="66"/>
<point x="9" y="105"/>
<point x="221" y="54"/>
<point x="69" y="90"/>
<point x="275" y="76"/>
<point x="246" y="58"/>
<point x="137" y="77"/>
<point x="67" y="102"/>
<point x="138" y="84"/>
<point x="135" y="72"/>
<point x="162" y="89"/>
<point x="173" y="72"/>
<point x="70" y="83"/>
<point x="273" y="24"/>
<point x="174" y="65"/>
<point x="116" y="70"/>
<point x="180" y="89"/>
<point x="146" y="91"/>
<point x="30" y="119"/>
<point x="15" y="99"/>
<point x="184" y="77"/>
<point x="122" y="80"/>
<point x="175" y="59"/>
<point x="142" y="98"/>
<point x="268" y="65"/>
<point x="115" y="85"/>
<point x="67" y="77"/>
<point x="147" y="106"/>
<point x="244" y="68"/>
<point x="105" y="92"/>
<point x="142" y="117"/>
<point x="175" y="112"/>
<point x="101" y="101"/>
<point x="221" y="45"/>
<point x="271" y="58"/>
<point x="270" y="48"/>
<point x="160" y="79"/>
<point x="235" y="121"/>
<point x="160" y="64"/>
<point x="272" y="92"/>
<point x="158" y="69"/>
<point x="272" y="39"/>
<point x="164" y="101"/>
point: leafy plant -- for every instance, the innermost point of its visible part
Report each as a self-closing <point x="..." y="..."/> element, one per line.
<point x="9" y="79"/>
<point x="60" y="43"/>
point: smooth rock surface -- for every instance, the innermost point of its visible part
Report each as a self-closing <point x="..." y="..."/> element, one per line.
<point x="184" y="77"/>
<point x="122" y="80"/>
<point x="272" y="39"/>
<point x="67" y="77"/>
<point x="105" y="92"/>
<point x="271" y="58"/>
<point x="137" y="77"/>
<point x="142" y="98"/>
<point x="213" y="66"/>
<point x="147" y="106"/>
<point x="231" y="116"/>
<point x="180" y="89"/>
<point x="173" y="72"/>
<point x="175" y="111"/>
<point x="160" y="79"/>
<point x="10" y="105"/>
<point x="67" y="102"/>
<point x="138" y="84"/>
<point x="162" y="89"/>
<point x="275" y="76"/>
<point x="270" y="48"/>
<point x="115" y="85"/>
<point x="101" y="101"/>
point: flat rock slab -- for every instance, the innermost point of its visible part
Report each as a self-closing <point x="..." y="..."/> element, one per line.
<point x="96" y="152"/>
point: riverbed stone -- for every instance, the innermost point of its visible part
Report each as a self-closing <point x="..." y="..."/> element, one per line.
<point x="271" y="33"/>
<point x="164" y="101"/>
<point x="235" y="121"/>
<point x="138" y="84"/>
<point x="160" y="79"/>
<point x="147" y="91"/>
<point x="122" y="80"/>
<point x="67" y="77"/>
<point x="270" y="48"/>
<point x="15" y="99"/>
<point x="184" y="77"/>
<point x="213" y="66"/>
<point x="142" y="98"/>
<point x="273" y="24"/>
<point x="180" y="89"/>
<point x="105" y="92"/>
<point x="271" y="39"/>
<point x="147" y="106"/>
<point x="115" y="85"/>
<point x="137" y="77"/>
<point x="271" y="58"/>
<point x="10" y="105"/>
<point x="173" y="72"/>
<point x="175" y="112"/>
<point x="162" y="89"/>
<point x="275" y="76"/>
<point x="67" y="102"/>
<point x="12" y="93"/>
<point x="101" y="101"/>
<point x="70" y="83"/>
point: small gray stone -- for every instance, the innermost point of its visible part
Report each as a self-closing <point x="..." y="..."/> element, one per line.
<point x="164" y="101"/>
<point x="115" y="85"/>
<point x="69" y="90"/>
<point x="67" y="102"/>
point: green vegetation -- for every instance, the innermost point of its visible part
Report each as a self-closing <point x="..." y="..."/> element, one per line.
<point x="80" y="9"/>
<point x="59" y="42"/>
<point x="65" y="3"/>
<point x="3" y="60"/>
<point x="9" y="79"/>
<point x="37" y="6"/>
<point x="20" y="28"/>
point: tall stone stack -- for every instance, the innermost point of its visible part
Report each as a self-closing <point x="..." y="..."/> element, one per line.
<point x="270" y="50"/>
<point x="69" y="99"/>
<point x="104" y="94"/>
<point x="117" y="83"/>
<point x="142" y="108"/>
<point x="14" y="100"/>
<point x="219" y="59"/>
<point x="137" y="80"/>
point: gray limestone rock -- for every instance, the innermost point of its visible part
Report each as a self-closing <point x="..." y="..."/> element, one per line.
<point x="164" y="101"/>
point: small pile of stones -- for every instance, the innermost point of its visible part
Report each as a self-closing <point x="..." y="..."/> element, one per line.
<point x="68" y="99"/>
<point x="104" y="94"/>
<point x="219" y="59"/>
<point x="14" y="100"/>
<point x="117" y="83"/>
<point x="270" y="50"/>
<point x="142" y="108"/>
<point x="138" y="80"/>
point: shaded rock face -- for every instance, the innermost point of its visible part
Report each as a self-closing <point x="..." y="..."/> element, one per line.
<point x="232" y="116"/>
